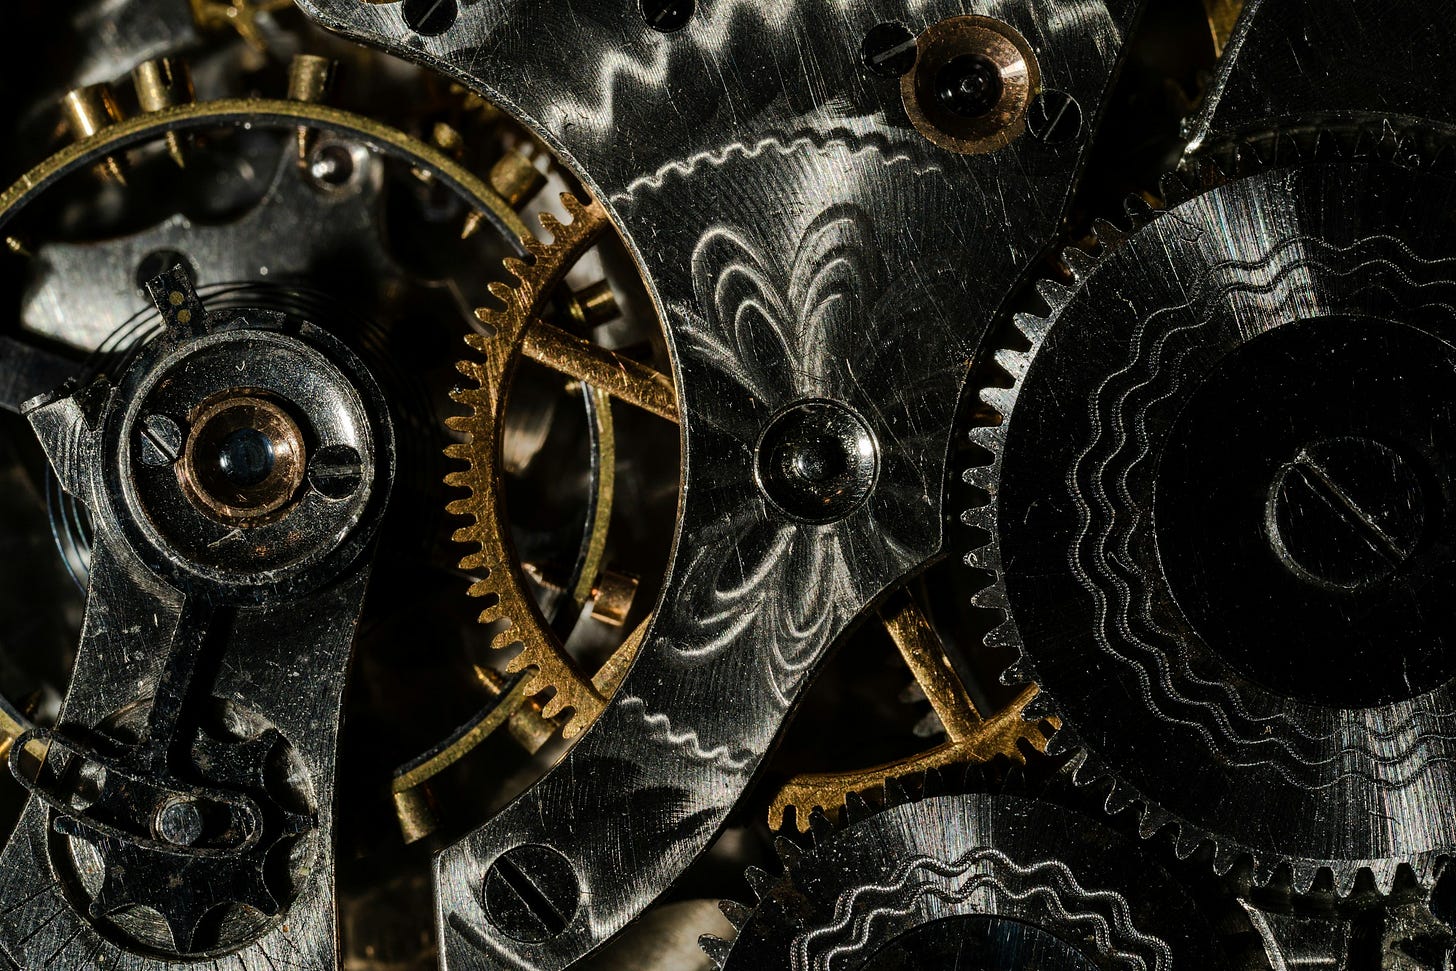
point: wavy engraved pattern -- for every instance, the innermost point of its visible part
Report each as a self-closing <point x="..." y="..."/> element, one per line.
<point x="769" y="329"/>
<point x="868" y="139"/>
<point x="687" y="741"/>
<point x="1103" y="915"/>
<point x="1390" y="752"/>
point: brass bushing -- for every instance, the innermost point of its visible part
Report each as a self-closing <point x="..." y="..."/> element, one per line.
<point x="244" y="460"/>
<point x="989" y="66"/>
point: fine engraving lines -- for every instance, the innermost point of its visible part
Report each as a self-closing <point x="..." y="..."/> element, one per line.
<point x="767" y="329"/>
<point x="987" y="881"/>
<point x="1310" y="746"/>
<point x="857" y="136"/>
<point x="687" y="742"/>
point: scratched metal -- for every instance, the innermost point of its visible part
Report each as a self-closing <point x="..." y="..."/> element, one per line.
<point x="976" y="881"/>
<point x="801" y="241"/>
<point x="1152" y="597"/>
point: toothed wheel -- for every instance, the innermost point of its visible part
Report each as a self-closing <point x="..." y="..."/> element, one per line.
<point x="1220" y="510"/>
<point x="996" y="882"/>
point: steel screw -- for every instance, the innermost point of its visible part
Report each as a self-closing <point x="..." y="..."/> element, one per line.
<point x="531" y="893"/>
<point x="335" y="472"/>
<point x="161" y="440"/>
<point x="889" y="50"/>
<point x="179" y="822"/>
<point x="1054" y="118"/>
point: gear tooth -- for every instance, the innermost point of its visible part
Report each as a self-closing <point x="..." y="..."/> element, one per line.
<point x="1033" y="327"/>
<point x="1013" y="363"/>
<point x="895" y="793"/>
<point x="503" y="292"/>
<point x="554" y="227"/>
<point x="1186" y="842"/>
<point x="1138" y="210"/>
<point x="981" y="517"/>
<point x="1225" y="858"/>
<point x="989" y="437"/>
<point x="788" y="851"/>
<point x="1303" y="876"/>
<point x="1345" y="878"/>
<point x="517" y="268"/>
<point x="1173" y="189"/>
<point x="1016" y="673"/>
<point x="856" y="808"/>
<point x="479" y="342"/>
<point x="992" y="597"/>
<point x="716" y="949"/>
<point x="737" y="914"/>
<point x="819" y="826"/>
<point x="935" y="784"/>
<point x="458" y="423"/>
<point x="1055" y="294"/>
<point x="1002" y="399"/>
<point x="1108" y="233"/>
<point x="759" y="881"/>
<point x="1078" y="262"/>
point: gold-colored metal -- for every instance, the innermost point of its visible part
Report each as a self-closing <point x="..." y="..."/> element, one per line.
<point x="605" y="498"/>
<point x="89" y="111"/>
<point x="311" y="80"/>
<point x="164" y="83"/>
<point x="983" y="37"/>
<point x="415" y="810"/>
<point x="1001" y="734"/>
<point x="515" y="331"/>
<point x="970" y="739"/>
<point x="597" y="303"/>
<point x="254" y="111"/>
<point x="202" y="478"/>
<point x="1222" y="16"/>
<point x="613" y="598"/>
<point x="238" y="15"/>
<point x="517" y="179"/>
<point x="920" y="647"/>
<point x="621" y="377"/>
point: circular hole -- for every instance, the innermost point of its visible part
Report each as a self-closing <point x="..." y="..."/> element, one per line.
<point x="889" y="50"/>
<point x="666" y="16"/>
<point x="817" y="461"/>
<point x="245" y="457"/>
<point x="430" y="17"/>
<point x="332" y="166"/>
<point x="969" y="86"/>
<point x="157" y="262"/>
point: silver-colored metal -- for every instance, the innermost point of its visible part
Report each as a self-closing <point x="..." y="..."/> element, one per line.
<point x="803" y="241"/>
<point x="199" y="674"/>
<point x="973" y="881"/>
<point x="1137" y="532"/>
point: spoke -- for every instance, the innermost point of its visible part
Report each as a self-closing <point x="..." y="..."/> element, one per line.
<point x="27" y="370"/>
<point x="621" y="377"/>
<point x="924" y="655"/>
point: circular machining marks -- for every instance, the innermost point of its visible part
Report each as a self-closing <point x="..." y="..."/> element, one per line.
<point x="1002" y="883"/>
<point x="816" y="460"/>
<point x="971" y="85"/>
<point x="1220" y="519"/>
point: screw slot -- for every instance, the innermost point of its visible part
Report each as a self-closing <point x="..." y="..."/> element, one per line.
<point x="889" y="50"/>
<point x="667" y="16"/>
<point x="430" y="18"/>
<point x="531" y="893"/>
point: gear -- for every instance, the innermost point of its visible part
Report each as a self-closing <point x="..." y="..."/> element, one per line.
<point x="517" y="330"/>
<point x="970" y="739"/>
<point x="970" y="881"/>
<point x="1220" y="524"/>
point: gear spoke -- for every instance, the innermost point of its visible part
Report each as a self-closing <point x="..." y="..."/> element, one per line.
<point x="621" y="377"/>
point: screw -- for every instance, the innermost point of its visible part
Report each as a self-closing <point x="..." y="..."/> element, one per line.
<point x="666" y="16"/>
<point x="161" y="441"/>
<point x="335" y="472"/>
<point x="179" y="822"/>
<point x="889" y="50"/>
<point x="1054" y="118"/>
<point x="531" y="893"/>
<point x="430" y="18"/>
<point x="1345" y="512"/>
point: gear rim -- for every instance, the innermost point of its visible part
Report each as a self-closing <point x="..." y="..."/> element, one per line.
<point x="1301" y="856"/>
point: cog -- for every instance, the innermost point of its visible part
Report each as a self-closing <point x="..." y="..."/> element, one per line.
<point x="1220" y="524"/>
<point x="969" y="881"/>
<point x="516" y="330"/>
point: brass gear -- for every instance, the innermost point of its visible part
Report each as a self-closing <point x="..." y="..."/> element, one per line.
<point x="516" y="330"/>
<point x="970" y="738"/>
